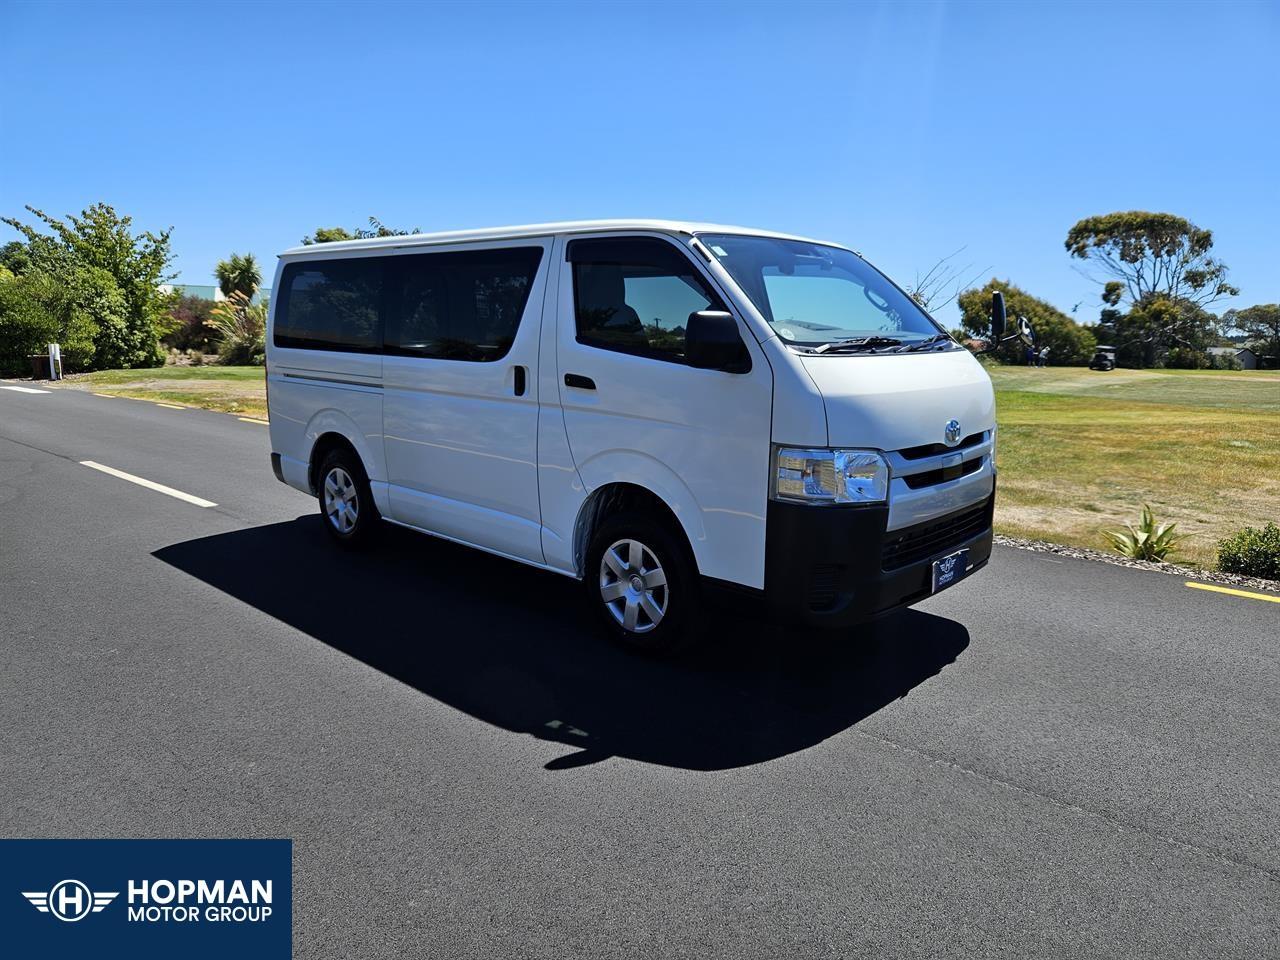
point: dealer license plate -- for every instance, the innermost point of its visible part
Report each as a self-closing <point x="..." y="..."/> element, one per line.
<point x="950" y="569"/>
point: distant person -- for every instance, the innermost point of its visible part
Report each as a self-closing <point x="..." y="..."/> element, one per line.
<point x="1031" y="356"/>
<point x="1042" y="356"/>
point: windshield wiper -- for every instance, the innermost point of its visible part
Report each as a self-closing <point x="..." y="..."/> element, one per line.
<point x="927" y="342"/>
<point x="858" y="343"/>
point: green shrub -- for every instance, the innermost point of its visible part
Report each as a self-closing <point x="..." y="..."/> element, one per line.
<point x="1187" y="358"/>
<point x="36" y="310"/>
<point x="188" y="326"/>
<point x="109" y="276"/>
<point x="1217" y="362"/>
<point x="239" y="327"/>
<point x="1254" y="553"/>
<point x="1147" y="541"/>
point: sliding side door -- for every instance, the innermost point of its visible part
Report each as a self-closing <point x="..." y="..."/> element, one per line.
<point x="460" y="407"/>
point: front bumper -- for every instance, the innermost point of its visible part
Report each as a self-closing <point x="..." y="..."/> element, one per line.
<point x="834" y="567"/>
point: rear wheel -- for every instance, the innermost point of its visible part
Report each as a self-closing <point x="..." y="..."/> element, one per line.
<point x="346" y="502"/>
<point x="642" y="583"/>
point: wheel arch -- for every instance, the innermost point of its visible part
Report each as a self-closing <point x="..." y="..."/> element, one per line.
<point x="611" y="498"/>
<point x="330" y="427"/>
<point x="325" y="444"/>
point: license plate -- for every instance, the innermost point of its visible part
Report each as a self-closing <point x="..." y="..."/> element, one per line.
<point x="950" y="569"/>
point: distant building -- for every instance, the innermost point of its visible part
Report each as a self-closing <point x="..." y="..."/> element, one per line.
<point x="209" y="291"/>
<point x="1246" y="355"/>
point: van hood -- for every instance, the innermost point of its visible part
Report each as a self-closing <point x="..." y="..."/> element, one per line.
<point x="892" y="401"/>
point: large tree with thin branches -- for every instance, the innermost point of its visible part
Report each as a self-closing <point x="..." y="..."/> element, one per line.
<point x="1149" y="256"/>
<point x="1161" y="267"/>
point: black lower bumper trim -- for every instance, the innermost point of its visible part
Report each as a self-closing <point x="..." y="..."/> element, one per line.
<point x="826" y="566"/>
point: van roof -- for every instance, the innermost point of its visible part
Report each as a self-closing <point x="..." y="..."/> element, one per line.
<point x="540" y="230"/>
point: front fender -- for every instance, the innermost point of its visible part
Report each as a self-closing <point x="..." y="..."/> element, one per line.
<point x="641" y="470"/>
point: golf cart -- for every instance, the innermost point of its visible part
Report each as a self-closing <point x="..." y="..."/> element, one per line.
<point x="1103" y="359"/>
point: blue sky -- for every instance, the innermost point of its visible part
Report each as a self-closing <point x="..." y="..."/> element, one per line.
<point x="905" y="130"/>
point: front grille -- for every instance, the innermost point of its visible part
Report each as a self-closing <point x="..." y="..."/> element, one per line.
<point x="912" y="544"/>
<point x="934" y="449"/>
<point x="931" y="477"/>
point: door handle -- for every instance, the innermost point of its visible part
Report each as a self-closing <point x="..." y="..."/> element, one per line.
<point x="579" y="381"/>
<point x="520" y="381"/>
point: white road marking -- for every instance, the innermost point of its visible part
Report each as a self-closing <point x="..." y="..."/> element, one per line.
<point x="22" y="389"/>
<point x="265" y="423"/>
<point x="168" y="406"/>
<point x="149" y="484"/>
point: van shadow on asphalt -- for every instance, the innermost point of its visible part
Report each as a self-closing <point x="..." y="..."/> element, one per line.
<point x="515" y="647"/>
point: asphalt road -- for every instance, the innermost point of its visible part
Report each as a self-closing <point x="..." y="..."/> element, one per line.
<point x="1057" y="758"/>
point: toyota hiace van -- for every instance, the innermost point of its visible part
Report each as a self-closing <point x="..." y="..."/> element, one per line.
<point x="658" y="409"/>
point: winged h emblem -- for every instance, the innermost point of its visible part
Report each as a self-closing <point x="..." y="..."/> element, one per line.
<point x="70" y="900"/>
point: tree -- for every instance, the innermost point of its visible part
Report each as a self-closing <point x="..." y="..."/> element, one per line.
<point x="36" y="310"/>
<point x="113" y="275"/>
<point x="942" y="282"/>
<point x="1161" y="267"/>
<point x="238" y="274"/>
<point x="1069" y="343"/>
<point x="1261" y="324"/>
<point x="376" y="228"/>
<point x="1149" y="255"/>
<point x="189" y="328"/>
<point x="328" y="235"/>
<point x="1159" y="331"/>
<point x="14" y="257"/>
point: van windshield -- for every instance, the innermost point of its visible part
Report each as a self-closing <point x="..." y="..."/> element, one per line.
<point x="821" y="297"/>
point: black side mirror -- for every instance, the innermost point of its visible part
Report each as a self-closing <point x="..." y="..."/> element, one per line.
<point x="711" y="342"/>
<point x="998" y="319"/>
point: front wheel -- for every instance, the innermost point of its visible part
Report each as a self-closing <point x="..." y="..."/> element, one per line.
<point x="642" y="583"/>
<point x="346" y="503"/>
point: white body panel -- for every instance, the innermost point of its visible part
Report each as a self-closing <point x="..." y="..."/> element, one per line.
<point x="314" y="392"/>
<point x="451" y="450"/>
<point x="697" y="438"/>
<point x="461" y="447"/>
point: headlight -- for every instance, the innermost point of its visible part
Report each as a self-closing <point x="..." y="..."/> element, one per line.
<point x="830" y="476"/>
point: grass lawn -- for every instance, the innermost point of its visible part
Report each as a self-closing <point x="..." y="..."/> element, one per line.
<point x="239" y="390"/>
<point x="1080" y="451"/>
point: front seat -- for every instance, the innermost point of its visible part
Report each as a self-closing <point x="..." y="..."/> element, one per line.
<point x="602" y="306"/>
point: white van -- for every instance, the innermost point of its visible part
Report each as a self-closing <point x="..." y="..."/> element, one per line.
<point x="658" y="409"/>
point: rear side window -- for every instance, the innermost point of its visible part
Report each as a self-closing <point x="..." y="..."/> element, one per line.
<point x="460" y="306"/>
<point x="635" y="294"/>
<point x="331" y="305"/>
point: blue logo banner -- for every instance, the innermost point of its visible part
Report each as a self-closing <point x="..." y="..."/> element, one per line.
<point x="147" y="898"/>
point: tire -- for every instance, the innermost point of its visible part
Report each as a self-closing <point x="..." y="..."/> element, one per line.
<point x="346" y="502"/>
<point x="641" y="580"/>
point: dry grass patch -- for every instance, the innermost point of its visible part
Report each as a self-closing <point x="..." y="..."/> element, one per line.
<point x="1080" y="454"/>
<point x="240" y="390"/>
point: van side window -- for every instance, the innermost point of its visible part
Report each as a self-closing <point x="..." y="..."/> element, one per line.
<point x="635" y="295"/>
<point x="331" y="305"/>
<point x="460" y="306"/>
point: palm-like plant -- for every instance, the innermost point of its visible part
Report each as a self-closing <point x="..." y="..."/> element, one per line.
<point x="239" y="327"/>
<point x="238" y="274"/>
<point x="1148" y="540"/>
